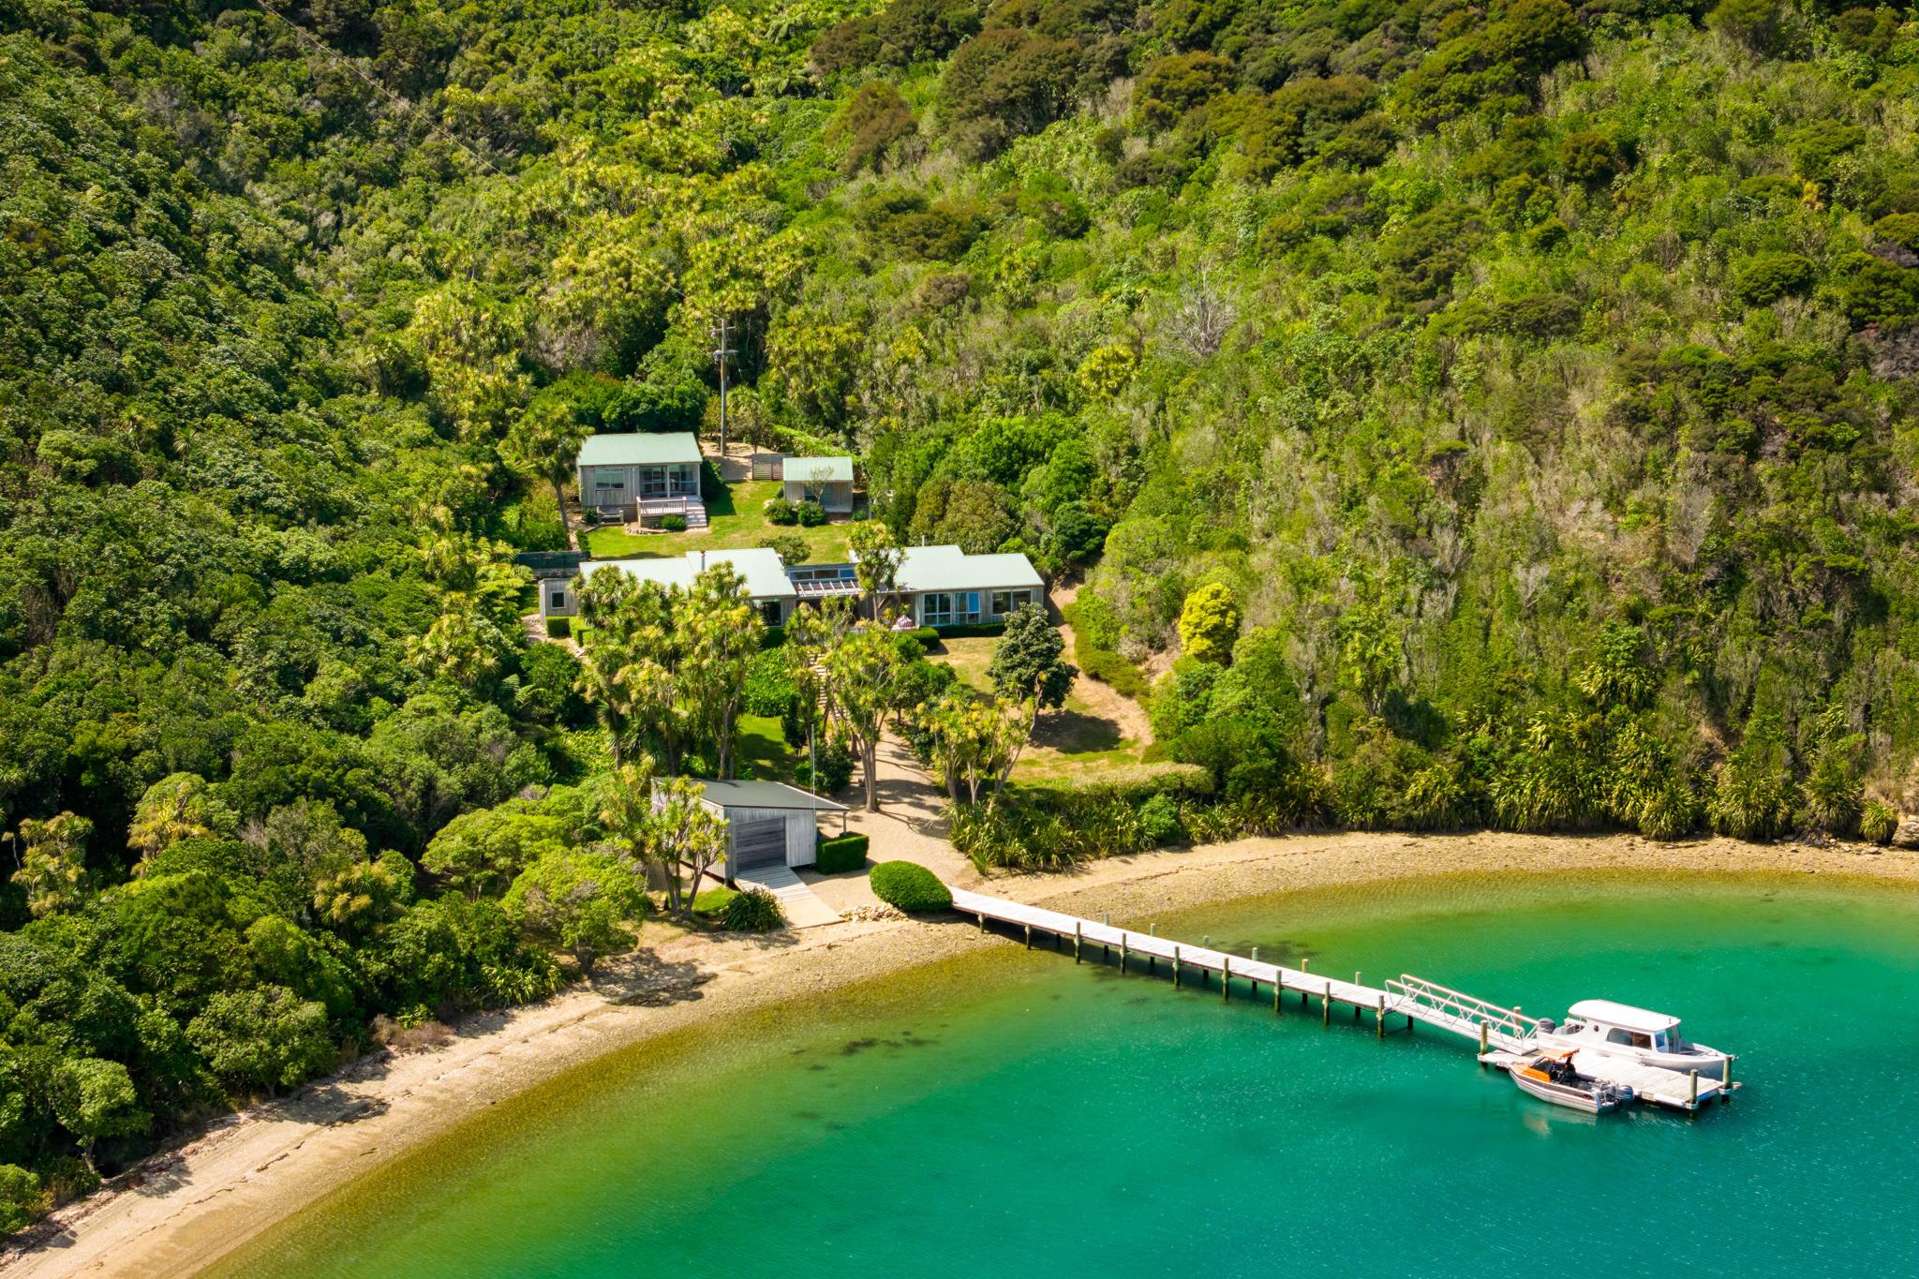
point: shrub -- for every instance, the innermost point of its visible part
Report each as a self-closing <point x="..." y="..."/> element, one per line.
<point x="790" y="547"/>
<point x="1209" y="623"/>
<point x="834" y="771"/>
<point x="841" y="853"/>
<point x="928" y="637"/>
<point x="810" y="514"/>
<point x="874" y="121"/>
<point x="753" y="911"/>
<point x="1878" y="821"/>
<point x="769" y="687"/>
<point x="712" y="903"/>
<point x="1755" y="796"/>
<point x="673" y="523"/>
<point x="1159" y="820"/>
<point x="1764" y="278"/>
<point x="910" y="887"/>
<point x="1757" y="24"/>
<point x="1589" y="157"/>
<point x="1112" y="669"/>
<point x="559" y="627"/>
<point x="780" y="511"/>
<point x="21" y="1198"/>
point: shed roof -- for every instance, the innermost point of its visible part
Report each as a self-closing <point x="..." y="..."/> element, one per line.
<point x="659" y="449"/>
<point x="820" y="470"/>
<point x="948" y="568"/>
<point x="1623" y="1015"/>
<point x="765" y="576"/>
<point x="754" y="794"/>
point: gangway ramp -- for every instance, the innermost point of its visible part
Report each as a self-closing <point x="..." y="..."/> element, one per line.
<point x="1462" y="1014"/>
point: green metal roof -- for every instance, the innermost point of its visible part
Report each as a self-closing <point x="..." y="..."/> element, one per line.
<point x="758" y="794"/>
<point x="640" y="450"/>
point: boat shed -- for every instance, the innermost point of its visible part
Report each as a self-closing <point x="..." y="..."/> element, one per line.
<point x="769" y="823"/>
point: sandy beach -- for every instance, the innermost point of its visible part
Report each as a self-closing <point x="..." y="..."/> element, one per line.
<point x="189" y="1206"/>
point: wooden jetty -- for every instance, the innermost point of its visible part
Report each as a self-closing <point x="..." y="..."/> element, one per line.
<point x="1500" y="1033"/>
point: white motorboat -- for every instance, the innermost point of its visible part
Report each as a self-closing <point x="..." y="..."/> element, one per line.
<point x="1551" y="1076"/>
<point x="1619" y="1030"/>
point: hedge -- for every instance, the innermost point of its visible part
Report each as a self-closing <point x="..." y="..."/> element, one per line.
<point x="967" y="630"/>
<point x="910" y="887"/>
<point x="841" y="853"/>
<point x="559" y="627"/>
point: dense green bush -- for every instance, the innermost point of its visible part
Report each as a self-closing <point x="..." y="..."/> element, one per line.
<point x="1878" y="821"/>
<point x="559" y="627"/>
<point x="1159" y="820"/>
<point x="809" y="513"/>
<point x="829" y="769"/>
<point x="769" y="684"/>
<point x="841" y="853"/>
<point x="780" y="511"/>
<point x="673" y="523"/>
<point x="910" y="887"/>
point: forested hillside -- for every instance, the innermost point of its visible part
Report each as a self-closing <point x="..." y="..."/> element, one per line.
<point x="1540" y="384"/>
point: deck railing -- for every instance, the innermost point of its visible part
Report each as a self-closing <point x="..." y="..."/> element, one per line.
<point x="1469" y="1008"/>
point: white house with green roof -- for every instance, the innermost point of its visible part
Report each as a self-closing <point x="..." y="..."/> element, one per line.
<point x="642" y="477"/>
<point x="763" y="579"/>
<point x="826" y="480"/>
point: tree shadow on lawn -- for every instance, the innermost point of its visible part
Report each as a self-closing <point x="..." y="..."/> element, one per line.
<point x="1072" y="732"/>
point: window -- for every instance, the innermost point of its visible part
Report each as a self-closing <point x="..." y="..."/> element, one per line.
<point x="1617" y="1036"/>
<point x="936" y="609"/>
<point x="601" y="485"/>
<point x="1002" y="603"/>
<point x="557" y="599"/>
<point x="770" y="612"/>
<point x="967" y="606"/>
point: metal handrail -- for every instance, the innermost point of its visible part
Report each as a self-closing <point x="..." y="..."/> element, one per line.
<point x="1458" y="1003"/>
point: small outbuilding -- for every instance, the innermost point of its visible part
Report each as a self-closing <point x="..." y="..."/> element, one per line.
<point x="826" y="480"/>
<point x="769" y="823"/>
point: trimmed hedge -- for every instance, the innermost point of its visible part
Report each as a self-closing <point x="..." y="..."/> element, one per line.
<point x="559" y="627"/>
<point x="910" y="887"/>
<point x="841" y="853"/>
<point x="968" y="630"/>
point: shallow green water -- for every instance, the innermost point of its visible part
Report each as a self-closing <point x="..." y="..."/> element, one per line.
<point x="1013" y="1113"/>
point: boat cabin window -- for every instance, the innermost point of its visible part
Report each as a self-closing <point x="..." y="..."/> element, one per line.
<point x="1631" y="1038"/>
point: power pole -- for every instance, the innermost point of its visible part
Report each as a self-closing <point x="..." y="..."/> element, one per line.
<point x="720" y="356"/>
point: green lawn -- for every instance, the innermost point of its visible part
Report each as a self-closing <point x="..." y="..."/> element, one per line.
<point x="762" y="747"/>
<point x="737" y="517"/>
<point x="1073" y="743"/>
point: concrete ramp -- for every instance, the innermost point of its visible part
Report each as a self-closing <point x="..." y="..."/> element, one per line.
<point x="802" y="905"/>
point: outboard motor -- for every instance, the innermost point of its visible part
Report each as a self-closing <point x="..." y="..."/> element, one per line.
<point x="1548" y="1025"/>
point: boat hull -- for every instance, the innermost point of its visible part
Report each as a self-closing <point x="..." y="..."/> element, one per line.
<point x="1709" y="1062"/>
<point x="1564" y="1095"/>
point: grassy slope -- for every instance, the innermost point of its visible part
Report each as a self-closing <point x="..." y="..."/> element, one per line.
<point x="737" y="518"/>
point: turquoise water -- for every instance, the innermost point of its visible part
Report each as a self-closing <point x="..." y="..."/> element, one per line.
<point x="1010" y="1112"/>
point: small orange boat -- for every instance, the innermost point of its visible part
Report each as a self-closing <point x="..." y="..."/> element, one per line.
<point x="1550" y="1076"/>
